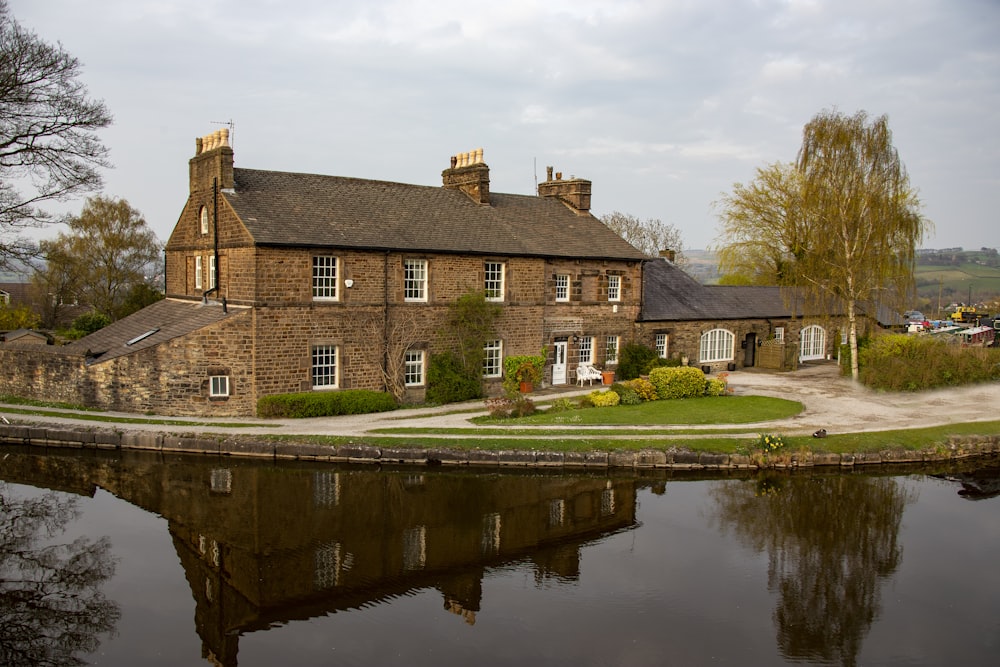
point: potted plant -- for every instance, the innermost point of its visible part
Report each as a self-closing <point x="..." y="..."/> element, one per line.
<point x="523" y="372"/>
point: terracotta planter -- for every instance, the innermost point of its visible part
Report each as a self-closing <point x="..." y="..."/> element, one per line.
<point x="607" y="377"/>
<point x="526" y="387"/>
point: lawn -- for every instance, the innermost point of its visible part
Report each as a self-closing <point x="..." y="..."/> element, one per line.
<point x="688" y="411"/>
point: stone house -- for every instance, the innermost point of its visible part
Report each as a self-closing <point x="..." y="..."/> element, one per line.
<point x="282" y="282"/>
<point x="720" y="327"/>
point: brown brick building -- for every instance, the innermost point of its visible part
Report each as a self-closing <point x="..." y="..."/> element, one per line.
<point x="281" y="282"/>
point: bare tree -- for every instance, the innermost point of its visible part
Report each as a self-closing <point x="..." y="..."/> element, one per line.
<point x="48" y="147"/>
<point x="649" y="236"/>
<point x="396" y="330"/>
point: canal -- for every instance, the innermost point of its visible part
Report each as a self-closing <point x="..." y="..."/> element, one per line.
<point x="124" y="558"/>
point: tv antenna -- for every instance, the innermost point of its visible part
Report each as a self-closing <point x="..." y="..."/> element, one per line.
<point x="232" y="130"/>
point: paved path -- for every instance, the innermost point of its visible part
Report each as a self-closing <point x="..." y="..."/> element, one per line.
<point x="831" y="402"/>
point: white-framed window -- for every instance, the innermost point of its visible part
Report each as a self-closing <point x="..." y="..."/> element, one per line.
<point x="197" y="272"/>
<point x="716" y="345"/>
<point x="586" y="350"/>
<point x="212" y="272"/>
<point x="661" y="345"/>
<point x="415" y="280"/>
<point x="324" y="278"/>
<point x="614" y="288"/>
<point x="203" y="216"/>
<point x="324" y="367"/>
<point x="413" y="368"/>
<point x="493" y="359"/>
<point x="494" y="280"/>
<point x="218" y="386"/>
<point x="779" y="333"/>
<point x="813" y="342"/>
<point x="611" y="350"/>
<point x="562" y="287"/>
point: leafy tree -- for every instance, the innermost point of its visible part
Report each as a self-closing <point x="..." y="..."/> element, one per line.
<point x="17" y="317"/>
<point x="108" y="249"/>
<point x="650" y="236"/>
<point x="458" y="375"/>
<point x="88" y="323"/>
<point x="48" y="143"/>
<point x="843" y="222"/>
<point x="140" y="296"/>
<point x="763" y="228"/>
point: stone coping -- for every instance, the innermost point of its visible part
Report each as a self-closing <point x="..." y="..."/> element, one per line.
<point x="957" y="447"/>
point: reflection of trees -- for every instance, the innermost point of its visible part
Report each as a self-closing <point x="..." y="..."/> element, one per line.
<point x="51" y="606"/>
<point x="829" y="541"/>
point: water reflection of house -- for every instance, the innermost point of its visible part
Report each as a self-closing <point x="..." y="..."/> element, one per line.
<point x="264" y="545"/>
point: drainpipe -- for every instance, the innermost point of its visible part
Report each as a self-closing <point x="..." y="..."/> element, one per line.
<point x="385" y="319"/>
<point x="215" y="235"/>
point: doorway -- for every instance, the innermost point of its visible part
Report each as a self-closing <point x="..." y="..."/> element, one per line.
<point x="750" y="355"/>
<point x="559" y="348"/>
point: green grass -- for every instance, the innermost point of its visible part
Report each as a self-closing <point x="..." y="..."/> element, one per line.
<point x="687" y="411"/>
<point x="908" y="439"/>
<point x="96" y="417"/>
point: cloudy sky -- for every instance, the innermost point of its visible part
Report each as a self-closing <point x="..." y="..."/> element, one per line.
<point x="662" y="104"/>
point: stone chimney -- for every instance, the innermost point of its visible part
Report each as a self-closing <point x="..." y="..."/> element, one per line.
<point x="469" y="174"/>
<point x="575" y="192"/>
<point x="213" y="158"/>
<point x="669" y="255"/>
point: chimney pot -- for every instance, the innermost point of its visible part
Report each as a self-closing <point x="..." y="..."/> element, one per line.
<point x="548" y="173"/>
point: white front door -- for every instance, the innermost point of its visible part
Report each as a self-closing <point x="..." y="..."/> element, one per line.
<point x="559" y="362"/>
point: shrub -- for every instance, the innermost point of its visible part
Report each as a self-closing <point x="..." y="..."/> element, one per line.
<point x="643" y="388"/>
<point x="325" y="403"/>
<point x="522" y="368"/>
<point x="562" y="405"/>
<point x="897" y="362"/>
<point x="603" y="399"/>
<point x="86" y="324"/>
<point x="505" y="406"/>
<point x="627" y="395"/>
<point x="715" y="387"/>
<point x="448" y="381"/>
<point x="633" y="361"/>
<point x="677" y="381"/>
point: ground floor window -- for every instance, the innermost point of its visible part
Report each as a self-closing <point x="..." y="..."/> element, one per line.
<point x="813" y="340"/>
<point x="414" y="368"/>
<point x="586" y="350"/>
<point x="324" y="367"/>
<point x="493" y="359"/>
<point x="661" y="346"/>
<point x="219" y="386"/>
<point x="611" y="350"/>
<point x="716" y="345"/>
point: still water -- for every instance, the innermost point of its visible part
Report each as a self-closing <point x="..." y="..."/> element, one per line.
<point x="134" y="558"/>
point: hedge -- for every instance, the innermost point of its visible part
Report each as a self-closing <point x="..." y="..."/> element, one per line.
<point x="678" y="381"/>
<point x="325" y="403"/>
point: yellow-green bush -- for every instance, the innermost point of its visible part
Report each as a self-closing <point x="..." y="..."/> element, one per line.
<point x="899" y="362"/>
<point x="678" y="382"/>
<point x="604" y="399"/>
<point x="644" y="388"/>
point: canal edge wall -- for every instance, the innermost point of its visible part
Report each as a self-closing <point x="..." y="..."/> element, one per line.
<point x="956" y="448"/>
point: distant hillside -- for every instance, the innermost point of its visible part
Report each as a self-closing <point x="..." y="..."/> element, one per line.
<point x="954" y="275"/>
<point x="702" y="266"/>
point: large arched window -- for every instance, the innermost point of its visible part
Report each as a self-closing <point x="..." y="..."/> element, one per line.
<point x="813" y="339"/>
<point x="203" y="218"/>
<point x="716" y="345"/>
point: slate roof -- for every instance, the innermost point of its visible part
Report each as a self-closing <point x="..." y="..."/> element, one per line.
<point x="290" y="209"/>
<point x="166" y="319"/>
<point x="669" y="294"/>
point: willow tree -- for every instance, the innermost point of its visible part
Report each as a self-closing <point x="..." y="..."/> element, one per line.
<point x="864" y="218"/>
<point x="840" y="225"/>
<point x="764" y="233"/>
